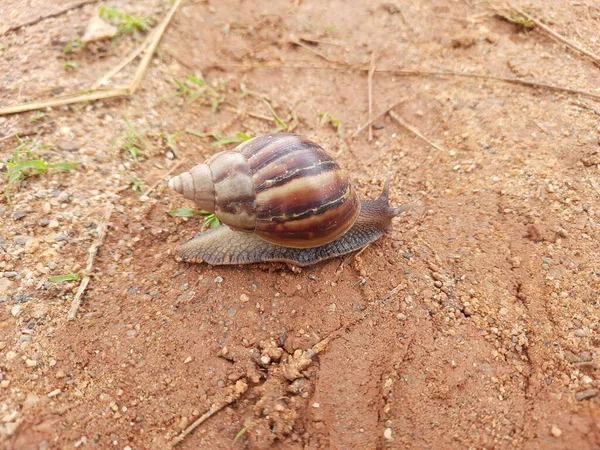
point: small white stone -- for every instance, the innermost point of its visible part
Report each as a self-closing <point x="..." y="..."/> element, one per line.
<point x="54" y="393"/>
<point x="387" y="434"/>
<point x="555" y="431"/>
<point x="188" y="360"/>
<point x="16" y="310"/>
<point x="316" y="405"/>
<point x="98" y="30"/>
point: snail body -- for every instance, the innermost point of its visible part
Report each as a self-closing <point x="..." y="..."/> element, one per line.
<point x="281" y="197"/>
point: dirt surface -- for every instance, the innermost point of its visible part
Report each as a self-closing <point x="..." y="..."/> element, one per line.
<point x="473" y="324"/>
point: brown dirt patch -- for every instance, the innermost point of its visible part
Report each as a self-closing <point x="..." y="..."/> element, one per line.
<point x="473" y="324"/>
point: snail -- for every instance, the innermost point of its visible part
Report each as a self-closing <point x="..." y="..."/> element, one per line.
<point x="279" y="197"/>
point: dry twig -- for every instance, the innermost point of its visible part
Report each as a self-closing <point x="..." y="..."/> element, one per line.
<point x="424" y="73"/>
<point x="413" y="130"/>
<point x="316" y="52"/>
<point x="236" y="392"/>
<point x="558" y="36"/>
<point x="370" y="89"/>
<point x="161" y="179"/>
<point x="108" y="209"/>
<point x="120" y="91"/>
<point x="381" y="114"/>
<point x="60" y="12"/>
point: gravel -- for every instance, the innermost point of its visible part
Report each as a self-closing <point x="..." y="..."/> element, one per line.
<point x="586" y="395"/>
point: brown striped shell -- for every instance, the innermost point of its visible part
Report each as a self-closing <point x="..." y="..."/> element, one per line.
<point x="283" y="187"/>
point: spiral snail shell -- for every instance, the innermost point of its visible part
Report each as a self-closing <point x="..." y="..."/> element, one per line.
<point x="281" y="198"/>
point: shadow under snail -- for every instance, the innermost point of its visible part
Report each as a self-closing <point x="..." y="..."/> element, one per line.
<point x="279" y="197"/>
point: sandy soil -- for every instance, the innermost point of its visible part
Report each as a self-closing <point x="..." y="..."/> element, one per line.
<point x="473" y="324"/>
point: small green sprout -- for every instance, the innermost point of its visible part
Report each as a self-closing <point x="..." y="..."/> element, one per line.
<point x="196" y="87"/>
<point x="72" y="46"/>
<point x="281" y="124"/>
<point x="132" y="141"/>
<point x="210" y="219"/>
<point x="70" y="65"/>
<point x="219" y="139"/>
<point x="240" y="433"/>
<point x="136" y="185"/>
<point x="126" y="23"/>
<point x="62" y="278"/>
<point x="330" y="29"/>
<point x="38" y="115"/>
<point x="25" y="163"/>
<point x="327" y="118"/>
<point x="171" y="138"/>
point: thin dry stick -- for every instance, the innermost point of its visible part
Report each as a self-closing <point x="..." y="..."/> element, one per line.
<point x="412" y="129"/>
<point x="520" y="81"/>
<point x="108" y="209"/>
<point x="137" y="79"/>
<point x="316" y="52"/>
<point x="423" y="73"/>
<point x="161" y="179"/>
<point x="381" y="114"/>
<point x="370" y="89"/>
<point x="236" y="393"/>
<point x="120" y="91"/>
<point x="558" y="36"/>
<point x="125" y="62"/>
<point x="51" y="15"/>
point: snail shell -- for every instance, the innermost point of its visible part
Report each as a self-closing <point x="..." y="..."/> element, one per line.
<point x="282" y="198"/>
<point x="284" y="188"/>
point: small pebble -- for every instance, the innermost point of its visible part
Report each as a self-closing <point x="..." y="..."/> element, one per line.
<point x="22" y="240"/>
<point x="316" y="405"/>
<point x="18" y="215"/>
<point x="54" y="393"/>
<point x="244" y="298"/>
<point x="586" y="395"/>
<point x="21" y="297"/>
<point x="187" y="360"/>
<point x="30" y="362"/>
<point x="16" y="310"/>
<point x="387" y="434"/>
<point x="555" y="431"/>
<point x="219" y="279"/>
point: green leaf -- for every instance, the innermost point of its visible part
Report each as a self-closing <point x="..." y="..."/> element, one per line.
<point x="198" y="81"/>
<point x="188" y="212"/>
<point x="62" y="278"/>
<point x="64" y="166"/>
<point x="240" y="434"/>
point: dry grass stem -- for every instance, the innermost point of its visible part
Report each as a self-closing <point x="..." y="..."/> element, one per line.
<point x="370" y="94"/>
<point x="121" y="91"/>
<point x="424" y="73"/>
<point x="234" y="393"/>
<point x="60" y="12"/>
<point x="161" y="179"/>
<point x="557" y="36"/>
<point x="316" y="52"/>
<point x="413" y="130"/>
<point x="102" y="228"/>
<point x="381" y="114"/>
<point x="125" y="62"/>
